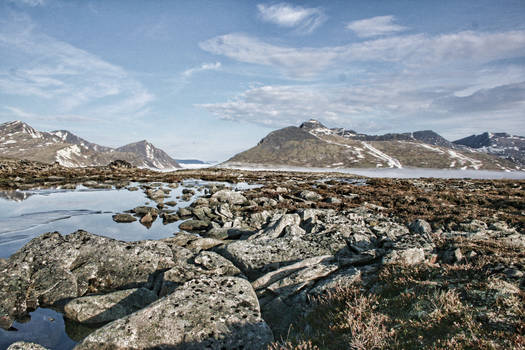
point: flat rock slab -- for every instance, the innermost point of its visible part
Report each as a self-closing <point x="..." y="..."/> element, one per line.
<point x="204" y="313"/>
<point x="108" y="307"/>
<point x="259" y="256"/>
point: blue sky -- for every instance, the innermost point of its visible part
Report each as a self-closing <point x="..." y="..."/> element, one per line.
<point x="208" y="79"/>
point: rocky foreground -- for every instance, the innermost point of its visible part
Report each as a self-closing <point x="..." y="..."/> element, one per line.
<point x="306" y="261"/>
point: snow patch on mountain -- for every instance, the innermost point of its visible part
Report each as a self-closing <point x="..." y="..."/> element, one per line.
<point x="392" y="162"/>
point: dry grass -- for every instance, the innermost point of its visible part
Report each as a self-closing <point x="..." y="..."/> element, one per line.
<point x="471" y="305"/>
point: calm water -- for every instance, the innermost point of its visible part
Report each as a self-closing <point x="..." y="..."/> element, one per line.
<point x="27" y="214"/>
<point x="403" y="173"/>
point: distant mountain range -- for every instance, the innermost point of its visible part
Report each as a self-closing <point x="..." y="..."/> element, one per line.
<point x="504" y="145"/>
<point x="314" y="145"/>
<point x="19" y="140"/>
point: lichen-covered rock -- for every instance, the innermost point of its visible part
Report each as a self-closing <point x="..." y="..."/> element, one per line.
<point x="22" y="345"/>
<point x="108" y="307"/>
<point x="52" y="268"/>
<point x="204" y="264"/>
<point x="204" y="313"/>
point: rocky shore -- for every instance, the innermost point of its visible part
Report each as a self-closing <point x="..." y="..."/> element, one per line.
<point x="267" y="266"/>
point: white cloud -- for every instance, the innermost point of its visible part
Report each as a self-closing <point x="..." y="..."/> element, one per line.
<point x="401" y="103"/>
<point x="414" y="51"/>
<point x="375" y="26"/>
<point x="203" y="67"/>
<point x="285" y="15"/>
<point x="35" y="64"/>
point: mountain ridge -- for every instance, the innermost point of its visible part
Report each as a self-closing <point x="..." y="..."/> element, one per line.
<point x="314" y="145"/>
<point x="21" y="141"/>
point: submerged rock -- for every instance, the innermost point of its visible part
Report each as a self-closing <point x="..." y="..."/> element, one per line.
<point x="204" y="313"/>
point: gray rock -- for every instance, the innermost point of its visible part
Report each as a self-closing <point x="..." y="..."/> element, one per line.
<point x="108" y="307"/>
<point x="52" y="267"/>
<point x="155" y="194"/>
<point x="310" y="195"/>
<point x="420" y="226"/>
<point x="340" y="279"/>
<point x="409" y="256"/>
<point x="229" y="196"/>
<point x="195" y="225"/>
<point x="123" y="218"/>
<point x="473" y="226"/>
<point x="206" y="264"/>
<point x="204" y="313"/>
<point x="143" y="210"/>
<point x="184" y="213"/>
<point x="169" y="218"/>
<point x="22" y="345"/>
<point x="258" y="256"/>
<point x="274" y="230"/>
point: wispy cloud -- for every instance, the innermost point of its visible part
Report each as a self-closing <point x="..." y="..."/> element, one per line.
<point x="18" y="113"/>
<point x="305" y="19"/>
<point x="375" y="26"/>
<point x="203" y="67"/>
<point x="39" y="65"/>
<point x="412" y="50"/>
<point x="31" y="3"/>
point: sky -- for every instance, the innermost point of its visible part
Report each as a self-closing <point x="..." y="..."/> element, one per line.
<point x="209" y="79"/>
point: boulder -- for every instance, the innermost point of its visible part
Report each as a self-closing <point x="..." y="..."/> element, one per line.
<point x="229" y="196"/>
<point x="420" y="227"/>
<point x="52" y="268"/>
<point x="195" y="225"/>
<point x="108" y="307"/>
<point x="124" y="218"/>
<point x="204" y="313"/>
<point x="310" y="195"/>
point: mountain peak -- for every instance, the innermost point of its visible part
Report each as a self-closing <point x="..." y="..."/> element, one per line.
<point x="18" y="126"/>
<point x="312" y="124"/>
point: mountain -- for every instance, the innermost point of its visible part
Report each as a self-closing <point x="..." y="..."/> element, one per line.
<point x="501" y="144"/>
<point x="21" y="141"/>
<point x="152" y="157"/>
<point x="314" y="145"/>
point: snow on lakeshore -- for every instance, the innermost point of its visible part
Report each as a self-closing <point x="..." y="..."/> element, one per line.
<point x="403" y="173"/>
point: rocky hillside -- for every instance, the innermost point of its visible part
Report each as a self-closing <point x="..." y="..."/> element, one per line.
<point x="314" y="145"/>
<point x="21" y="141"/>
<point x="504" y="145"/>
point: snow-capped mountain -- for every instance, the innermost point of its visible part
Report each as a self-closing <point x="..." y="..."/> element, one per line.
<point x="69" y="137"/>
<point x="314" y="145"/>
<point x="501" y="144"/>
<point x="152" y="157"/>
<point x="21" y="141"/>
